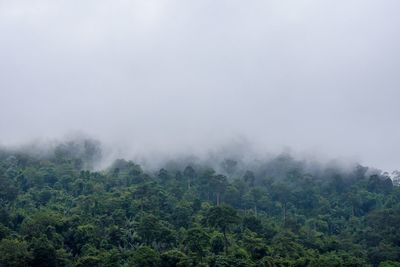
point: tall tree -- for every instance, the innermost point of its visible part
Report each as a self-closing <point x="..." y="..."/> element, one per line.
<point x="222" y="217"/>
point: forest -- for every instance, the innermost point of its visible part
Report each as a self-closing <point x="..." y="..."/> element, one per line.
<point x="57" y="210"/>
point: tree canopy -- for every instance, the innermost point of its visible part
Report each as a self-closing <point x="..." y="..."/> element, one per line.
<point x="58" y="211"/>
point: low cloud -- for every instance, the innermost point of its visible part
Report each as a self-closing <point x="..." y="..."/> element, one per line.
<point x="170" y="78"/>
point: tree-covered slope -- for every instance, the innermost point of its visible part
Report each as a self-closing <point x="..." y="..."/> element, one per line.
<point x="55" y="212"/>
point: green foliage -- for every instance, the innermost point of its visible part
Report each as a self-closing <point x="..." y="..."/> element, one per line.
<point x="54" y="211"/>
<point x="14" y="253"/>
<point x="196" y="240"/>
<point x="217" y="243"/>
<point x="173" y="258"/>
<point x="144" y="256"/>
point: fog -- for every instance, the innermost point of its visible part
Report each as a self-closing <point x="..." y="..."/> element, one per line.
<point x="315" y="78"/>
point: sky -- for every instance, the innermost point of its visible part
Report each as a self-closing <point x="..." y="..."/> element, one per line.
<point x="316" y="77"/>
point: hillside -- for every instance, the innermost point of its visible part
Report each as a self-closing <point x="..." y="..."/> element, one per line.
<point x="56" y="212"/>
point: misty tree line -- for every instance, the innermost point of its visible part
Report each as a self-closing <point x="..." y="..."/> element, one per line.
<point x="56" y="212"/>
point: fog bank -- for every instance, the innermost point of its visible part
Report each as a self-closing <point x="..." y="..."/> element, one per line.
<point x="160" y="79"/>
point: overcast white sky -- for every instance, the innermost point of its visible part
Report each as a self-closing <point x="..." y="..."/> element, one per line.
<point x="178" y="75"/>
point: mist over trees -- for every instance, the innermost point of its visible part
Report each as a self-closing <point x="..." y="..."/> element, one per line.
<point x="57" y="209"/>
<point x="233" y="133"/>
